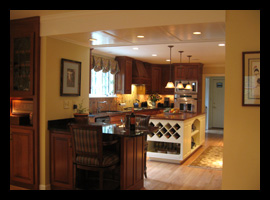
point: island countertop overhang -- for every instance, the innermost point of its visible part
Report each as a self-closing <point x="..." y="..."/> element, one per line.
<point x="178" y="116"/>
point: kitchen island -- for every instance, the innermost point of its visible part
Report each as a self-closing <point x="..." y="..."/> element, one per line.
<point x="131" y="153"/>
<point x="177" y="137"/>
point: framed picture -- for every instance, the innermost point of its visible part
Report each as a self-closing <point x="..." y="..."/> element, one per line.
<point x="251" y="78"/>
<point x="70" y="78"/>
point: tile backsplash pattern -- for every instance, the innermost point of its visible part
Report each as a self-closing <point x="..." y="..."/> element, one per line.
<point x="113" y="103"/>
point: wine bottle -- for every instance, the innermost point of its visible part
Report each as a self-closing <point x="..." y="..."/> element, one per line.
<point x="132" y="121"/>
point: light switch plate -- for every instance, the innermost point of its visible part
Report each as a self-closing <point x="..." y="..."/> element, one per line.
<point x="66" y="104"/>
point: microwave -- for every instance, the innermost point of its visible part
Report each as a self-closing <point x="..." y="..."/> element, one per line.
<point x="194" y="87"/>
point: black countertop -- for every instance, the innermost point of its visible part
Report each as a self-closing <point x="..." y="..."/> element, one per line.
<point x="111" y="129"/>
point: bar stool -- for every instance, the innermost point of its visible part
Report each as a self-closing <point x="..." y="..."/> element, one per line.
<point x="88" y="151"/>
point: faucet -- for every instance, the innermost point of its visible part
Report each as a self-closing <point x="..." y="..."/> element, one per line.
<point x="98" y="107"/>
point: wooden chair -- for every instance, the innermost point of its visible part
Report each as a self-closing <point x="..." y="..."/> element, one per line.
<point x="144" y="122"/>
<point x="88" y="151"/>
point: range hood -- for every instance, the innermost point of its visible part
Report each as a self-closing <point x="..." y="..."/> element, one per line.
<point x="138" y="69"/>
<point x="141" y="74"/>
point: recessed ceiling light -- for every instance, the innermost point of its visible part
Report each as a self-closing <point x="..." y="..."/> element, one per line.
<point x="197" y="33"/>
<point x="92" y="39"/>
<point x="135" y="48"/>
<point x="168" y="60"/>
<point x="154" y="54"/>
<point x="221" y="45"/>
<point x="140" y="36"/>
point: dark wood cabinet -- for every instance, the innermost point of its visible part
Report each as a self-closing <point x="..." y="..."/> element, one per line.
<point x="156" y="79"/>
<point x="22" y="156"/>
<point x="24" y="56"/>
<point x="61" y="160"/>
<point x="187" y="71"/>
<point x="24" y="85"/>
<point x="132" y="163"/>
<point x="123" y="79"/>
<point x="160" y="78"/>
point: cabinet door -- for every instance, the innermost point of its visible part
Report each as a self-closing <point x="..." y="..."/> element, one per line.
<point x="132" y="163"/>
<point x="22" y="155"/>
<point x="123" y="79"/>
<point x="165" y="71"/>
<point x="21" y="64"/>
<point x="156" y="79"/>
<point x="192" y="72"/>
<point x="61" y="161"/>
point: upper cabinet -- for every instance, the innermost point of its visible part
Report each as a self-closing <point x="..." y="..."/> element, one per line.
<point x="24" y="52"/>
<point x="188" y="71"/>
<point x="123" y="79"/>
<point x="160" y="77"/>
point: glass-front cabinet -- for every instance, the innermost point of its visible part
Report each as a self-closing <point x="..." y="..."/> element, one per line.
<point x="21" y="64"/>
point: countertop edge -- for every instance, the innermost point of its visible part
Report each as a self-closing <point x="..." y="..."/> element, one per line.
<point x="179" y="117"/>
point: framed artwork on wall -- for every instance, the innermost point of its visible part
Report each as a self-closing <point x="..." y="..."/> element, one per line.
<point x="70" y="78"/>
<point x="251" y="78"/>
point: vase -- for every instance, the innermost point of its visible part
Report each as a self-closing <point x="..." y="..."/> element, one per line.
<point x="154" y="104"/>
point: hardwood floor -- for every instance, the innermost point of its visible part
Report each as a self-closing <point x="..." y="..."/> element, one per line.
<point x="168" y="176"/>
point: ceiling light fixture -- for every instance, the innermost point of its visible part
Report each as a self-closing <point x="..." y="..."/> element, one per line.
<point x="197" y="33"/>
<point x="170" y="83"/>
<point x="180" y="84"/>
<point x="140" y="36"/>
<point x="188" y="86"/>
<point x="221" y="45"/>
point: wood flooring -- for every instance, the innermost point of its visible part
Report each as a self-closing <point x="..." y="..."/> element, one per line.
<point x="168" y="176"/>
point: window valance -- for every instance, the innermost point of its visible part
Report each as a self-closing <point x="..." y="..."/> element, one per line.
<point x="104" y="64"/>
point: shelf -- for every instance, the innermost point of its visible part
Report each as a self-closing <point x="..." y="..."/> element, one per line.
<point x="194" y="132"/>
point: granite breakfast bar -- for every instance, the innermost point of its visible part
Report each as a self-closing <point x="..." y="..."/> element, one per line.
<point x="177" y="137"/>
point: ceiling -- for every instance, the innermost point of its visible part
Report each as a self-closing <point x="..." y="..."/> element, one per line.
<point x="204" y="47"/>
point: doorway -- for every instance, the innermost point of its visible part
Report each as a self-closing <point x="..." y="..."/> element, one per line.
<point x="214" y="102"/>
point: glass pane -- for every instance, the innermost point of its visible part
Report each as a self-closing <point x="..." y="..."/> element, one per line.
<point x="102" y="84"/>
<point x="21" y="71"/>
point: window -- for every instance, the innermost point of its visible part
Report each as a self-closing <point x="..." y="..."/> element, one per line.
<point x="102" y="84"/>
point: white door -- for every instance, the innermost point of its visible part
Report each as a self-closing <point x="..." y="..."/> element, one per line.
<point x="217" y="89"/>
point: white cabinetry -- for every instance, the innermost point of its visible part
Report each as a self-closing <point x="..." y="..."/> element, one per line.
<point x="175" y="140"/>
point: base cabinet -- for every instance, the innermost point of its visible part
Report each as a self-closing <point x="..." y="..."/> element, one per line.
<point x="22" y="157"/>
<point x="132" y="163"/>
<point x="61" y="161"/>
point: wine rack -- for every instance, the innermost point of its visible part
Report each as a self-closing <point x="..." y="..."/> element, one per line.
<point x="167" y="130"/>
<point x="175" y="140"/>
<point x="166" y="142"/>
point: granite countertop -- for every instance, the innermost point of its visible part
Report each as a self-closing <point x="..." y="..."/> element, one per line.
<point x="108" y="129"/>
<point x="115" y="113"/>
<point x="176" y="116"/>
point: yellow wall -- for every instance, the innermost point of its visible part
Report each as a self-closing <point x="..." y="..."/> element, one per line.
<point x="241" y="165"/>
<point x="51" y="102"/>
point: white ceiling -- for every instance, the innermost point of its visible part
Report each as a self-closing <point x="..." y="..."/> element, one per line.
<point x="120" y="42"/>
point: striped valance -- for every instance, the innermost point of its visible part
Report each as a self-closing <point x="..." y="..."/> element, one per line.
<point x="104" y="64"/>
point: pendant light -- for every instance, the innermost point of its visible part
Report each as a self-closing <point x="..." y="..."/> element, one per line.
<point x="180" y="84"/>
<point x="188" y="86"/>
<point x="170" y="83"/>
